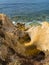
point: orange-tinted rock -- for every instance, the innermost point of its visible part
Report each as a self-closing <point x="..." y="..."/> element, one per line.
<point x="39" y="36"/>
<point x="18" y="41"/>
<point x="5" y="21"/>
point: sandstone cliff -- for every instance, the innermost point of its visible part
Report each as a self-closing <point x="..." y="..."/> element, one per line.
<point x="17" y="42"/>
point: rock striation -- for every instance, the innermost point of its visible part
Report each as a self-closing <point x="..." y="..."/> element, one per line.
<point x="17" y="42"/>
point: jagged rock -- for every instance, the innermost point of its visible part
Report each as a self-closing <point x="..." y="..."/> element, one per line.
<point x="16" y="38"/>
<point x="25" y="44"/>
<point x="20" y="26"/>
<point x="3" y="52"/>
<point x="5" y="21"/>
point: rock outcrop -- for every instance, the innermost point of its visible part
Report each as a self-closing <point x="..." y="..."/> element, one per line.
<point x="17" y="38"/>
<point x="19" y="41"/>
<point x="39" y="36"/>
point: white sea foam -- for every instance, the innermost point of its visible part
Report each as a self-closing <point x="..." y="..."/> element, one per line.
<point x="14" y="22"/>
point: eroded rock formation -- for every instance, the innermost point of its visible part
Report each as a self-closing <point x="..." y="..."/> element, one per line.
<point x="21" y="43"/>
<point x="39" y="36"/>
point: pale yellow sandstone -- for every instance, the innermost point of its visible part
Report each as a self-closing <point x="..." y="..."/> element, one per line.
<point x="39" y="36"/>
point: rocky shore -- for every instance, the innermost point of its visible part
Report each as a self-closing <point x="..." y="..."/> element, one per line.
<point x="15" y="48"/>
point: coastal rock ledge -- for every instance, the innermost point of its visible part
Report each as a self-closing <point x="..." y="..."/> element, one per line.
<point x="22" y="46"/>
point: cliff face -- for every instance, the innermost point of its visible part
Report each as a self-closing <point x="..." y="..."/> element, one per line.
<point x="9" y="35"/>
<point x="5" y="25"/>
<point x="18" y="43"/>
<point x="23" y="41"/>
<point x="15" y="37"/>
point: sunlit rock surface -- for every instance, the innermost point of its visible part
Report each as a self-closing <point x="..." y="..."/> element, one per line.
<point x="39" y="36"/>
<point x="17" y="42"/>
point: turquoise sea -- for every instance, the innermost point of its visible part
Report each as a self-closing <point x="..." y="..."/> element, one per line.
<point x="26" y="12"/>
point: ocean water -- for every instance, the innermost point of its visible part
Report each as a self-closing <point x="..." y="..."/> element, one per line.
<point x="26" y="12"/>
